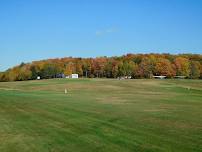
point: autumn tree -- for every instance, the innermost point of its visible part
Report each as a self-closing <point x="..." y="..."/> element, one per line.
<point x="24" y="73"/>
<point x="121" y="70"/>
<point x="68" y="70"/>
<point x="1" y="76"/>
<point x="201" y="71"/>
<point x="98" y="66"/>
<point x="13" y="74"/>
<point x="4" y="77"/>
<point x="146" y="67"/>
<point x="135" y="65"/>
<point x="114" y="67"/>
<point x="164" y="67"/>
<point x="194" y="69"/>
<point x="135" y="70"/>
<point x="182" y="66"/>
<point x="108" y="69"/>
<point x="86" y="66"/>
<point x="79" y="69"/>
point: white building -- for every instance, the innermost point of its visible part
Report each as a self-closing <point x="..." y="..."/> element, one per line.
<point x="73" y="76"/>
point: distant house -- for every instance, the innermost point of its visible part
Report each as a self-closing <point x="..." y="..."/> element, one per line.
<point x="38" y="78"/>
<point x="159" y="77"/>
<point x="73" y="76"/>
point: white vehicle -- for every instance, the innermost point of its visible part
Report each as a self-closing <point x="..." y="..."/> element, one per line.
<point x="159" y="77"/>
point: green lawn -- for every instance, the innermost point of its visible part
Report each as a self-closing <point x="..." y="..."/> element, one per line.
<point x="101" y="115"/>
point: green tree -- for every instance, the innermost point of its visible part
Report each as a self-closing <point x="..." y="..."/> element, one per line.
<point x="35" y="71"/>
<point x="121" y="70"/>
<point x="50" y="71"/>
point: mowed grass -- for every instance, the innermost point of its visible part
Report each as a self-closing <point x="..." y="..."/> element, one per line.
<point x="101" y="115"/>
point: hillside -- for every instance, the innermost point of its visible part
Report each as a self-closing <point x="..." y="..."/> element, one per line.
<point x="130" y="65"/>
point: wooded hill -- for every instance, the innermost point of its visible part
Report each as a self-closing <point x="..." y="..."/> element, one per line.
<point x="133" y="65"/>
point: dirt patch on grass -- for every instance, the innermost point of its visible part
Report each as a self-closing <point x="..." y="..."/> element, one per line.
<point x="9" y="89"/>
<point x="154" y="110"/>
<point x="111" y="100"/>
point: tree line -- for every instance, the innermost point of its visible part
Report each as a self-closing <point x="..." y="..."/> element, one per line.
<point x="130" y="65"/>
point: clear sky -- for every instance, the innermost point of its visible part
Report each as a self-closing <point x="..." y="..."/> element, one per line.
<point x="41" y="29"/>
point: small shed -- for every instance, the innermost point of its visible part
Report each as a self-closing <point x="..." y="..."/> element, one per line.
<point x="74" y="76"/>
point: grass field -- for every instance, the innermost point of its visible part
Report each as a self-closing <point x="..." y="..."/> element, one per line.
<point x="101" y="115"/>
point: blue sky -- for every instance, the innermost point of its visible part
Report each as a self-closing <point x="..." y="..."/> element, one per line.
<point x="41" y="29"/>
